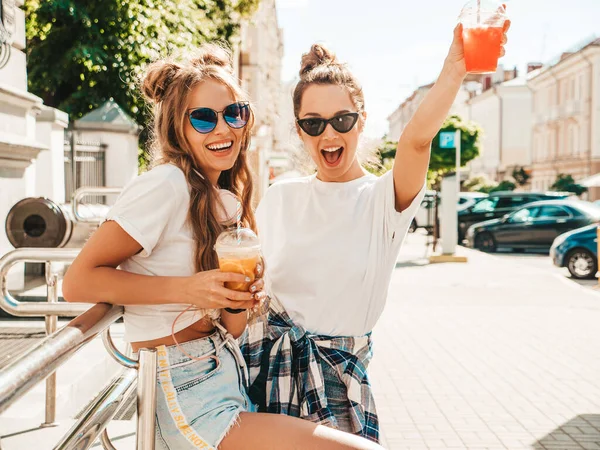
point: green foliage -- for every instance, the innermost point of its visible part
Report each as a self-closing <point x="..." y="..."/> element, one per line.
<point x="443" y="160"/>
<point x="504" y="185"/>
<point x="566" y="183"/>
<point x="481" y="183"/>
<point x="383" y="159"/>
<point x="80" y="53"/>
<point x="521" y="176"/>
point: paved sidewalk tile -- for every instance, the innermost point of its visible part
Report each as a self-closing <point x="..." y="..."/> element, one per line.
<point x="486" y="355"/>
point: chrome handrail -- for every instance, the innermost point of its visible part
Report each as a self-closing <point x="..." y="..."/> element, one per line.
<point x="146" y="399"/>
<point x="47" y="356"/>
<point x="89" y="190"/>
<point x="51" y="327"/>
<point x="95" y="419"/>
<point x="12" y="306"/>
<point x="44" y="358"/>
<point x="116" y="354"/>
<point x="146" y="366"/>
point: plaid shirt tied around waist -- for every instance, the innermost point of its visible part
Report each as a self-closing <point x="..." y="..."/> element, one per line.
<point x="286" y="376"/>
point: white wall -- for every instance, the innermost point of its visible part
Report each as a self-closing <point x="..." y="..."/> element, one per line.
<point x="18" y="146"/>
<point x="485" y="110"/>
<point x="595" y="99"/>
<point x="50" y="164"/>
<point x="121" y="154"/>
<point x="516" y="127"/>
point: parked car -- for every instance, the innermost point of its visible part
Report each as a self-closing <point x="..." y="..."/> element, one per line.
<point x="534" y="226"/>
<point x="577" y="250"/>
<point x="497" y="205"/>
<point x="468" y="199"/>
<point x="425" y="214"/>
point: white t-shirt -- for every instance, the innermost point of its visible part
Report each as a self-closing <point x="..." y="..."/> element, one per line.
<point x="330" y="249"/>
<point x="153" y="210"/>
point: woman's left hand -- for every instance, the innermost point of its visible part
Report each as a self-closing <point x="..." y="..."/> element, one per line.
<point x="257" y="287"/>
<point x="455" y="61"/>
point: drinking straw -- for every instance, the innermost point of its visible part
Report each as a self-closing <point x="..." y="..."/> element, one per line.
<point x="239" y="223"/>
<point x="478" y="11"/>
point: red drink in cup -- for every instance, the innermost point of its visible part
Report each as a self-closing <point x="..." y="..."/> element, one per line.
<point x="483" y="29"/>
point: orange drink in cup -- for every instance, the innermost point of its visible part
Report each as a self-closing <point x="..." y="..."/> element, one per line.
<point x="483" y="29"/>
<point x="238" y="251"/>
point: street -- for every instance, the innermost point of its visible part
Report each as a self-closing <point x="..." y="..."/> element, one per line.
<point x="496" y="353"/>
<point x="541" y="261"/>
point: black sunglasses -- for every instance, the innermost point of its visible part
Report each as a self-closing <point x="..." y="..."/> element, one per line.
<point x="342" y="123"/>
<point x="204" y="120"/>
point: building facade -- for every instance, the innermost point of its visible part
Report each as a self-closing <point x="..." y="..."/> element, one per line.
<point x="566" y="118"/>
<point x="504" y="113"/>
<point x="472" y="85"/>
<point x="34" y="160"/>
<point x="19" y="147"/>
<point x="259" y="65"/>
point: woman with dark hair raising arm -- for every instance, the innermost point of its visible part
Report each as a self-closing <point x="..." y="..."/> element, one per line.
<point x="330" y="241"/>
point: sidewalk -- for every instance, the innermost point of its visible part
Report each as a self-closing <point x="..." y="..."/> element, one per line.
<point x="486" y="355"/>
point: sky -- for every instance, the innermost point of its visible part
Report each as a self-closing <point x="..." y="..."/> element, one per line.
<point x="394" y="46"/>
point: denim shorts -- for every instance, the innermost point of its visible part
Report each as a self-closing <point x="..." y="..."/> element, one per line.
<point x="197" y="402"/>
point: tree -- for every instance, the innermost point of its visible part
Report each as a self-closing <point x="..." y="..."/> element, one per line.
<point x="566" y="183"/>
<point x="479" y="183"/>
<point x="504" y="185"/>
<point x="443" y="160"/>
<point x="521" y="176"/>
<point x="383" y="158"/>
<point x="81" y="53"/>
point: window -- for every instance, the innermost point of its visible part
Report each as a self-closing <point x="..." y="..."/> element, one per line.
<point x="513" y="202"/>
<point x="571" y="140"/>
<point x="553" y="212"/>
<point x="523" y="215"/>
<point x="486" y="205"/>
<point x="586" y="208"/>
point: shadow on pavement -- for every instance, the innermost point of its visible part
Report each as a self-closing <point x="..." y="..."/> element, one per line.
<point x="412" y="263"/>
<point x="580" y="432"/>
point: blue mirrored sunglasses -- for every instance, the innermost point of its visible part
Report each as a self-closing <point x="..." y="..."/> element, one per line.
<point x="204" y="120"/>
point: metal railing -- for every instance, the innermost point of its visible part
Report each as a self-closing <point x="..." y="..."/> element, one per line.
<point x="44" y="358"/>
<point x="85" y="191"/>
<point x="36" y="309"/>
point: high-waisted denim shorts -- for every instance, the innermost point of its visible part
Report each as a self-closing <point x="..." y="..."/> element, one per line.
<point x="197" y="402"/>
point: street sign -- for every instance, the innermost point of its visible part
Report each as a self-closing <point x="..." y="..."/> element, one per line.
<point x="447" y="139"/>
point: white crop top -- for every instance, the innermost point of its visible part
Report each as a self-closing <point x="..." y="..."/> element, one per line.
<point x="153" y="210"/>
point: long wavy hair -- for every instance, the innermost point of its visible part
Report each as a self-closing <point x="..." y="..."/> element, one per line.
<point x="166" y="86"/>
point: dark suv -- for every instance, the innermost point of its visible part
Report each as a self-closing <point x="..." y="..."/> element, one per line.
<point x="498" y="204"/>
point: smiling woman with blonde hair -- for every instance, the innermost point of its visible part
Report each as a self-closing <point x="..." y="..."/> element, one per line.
<point x="155" y="255"/>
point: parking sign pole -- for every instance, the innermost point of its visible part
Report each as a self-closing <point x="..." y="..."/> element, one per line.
<point x="457" y="146"/>
<point x="449" y="225"/>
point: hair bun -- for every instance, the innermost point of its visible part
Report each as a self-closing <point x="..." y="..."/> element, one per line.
<point x="317" y="56"/>
<point x="159" y="76"/>
<point x="213" y="55"/>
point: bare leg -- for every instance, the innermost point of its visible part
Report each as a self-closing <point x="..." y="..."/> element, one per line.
<point x="259" y="431"/>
